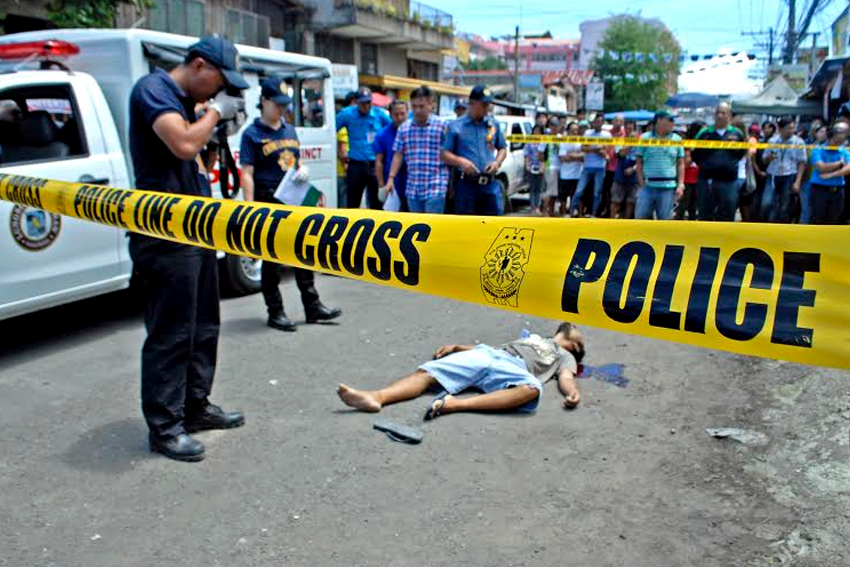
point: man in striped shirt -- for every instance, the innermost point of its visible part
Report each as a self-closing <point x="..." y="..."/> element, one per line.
<point x="660" y="171"/>
<point x="418" y="145"/>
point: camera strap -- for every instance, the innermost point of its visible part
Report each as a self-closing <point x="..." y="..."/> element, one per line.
<point x="228" y="171"/>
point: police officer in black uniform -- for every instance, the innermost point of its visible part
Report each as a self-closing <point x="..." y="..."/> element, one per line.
<point x="268" y="150"/>
<point x="180" y="282"/>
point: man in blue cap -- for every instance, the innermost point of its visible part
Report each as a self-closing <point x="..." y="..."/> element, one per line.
<point x="460" y="107"/>
<point x="180" y="282"/>
<point x="475" y="146"/>
<point x="363" y="123"/>
<point x="269" y="149"/>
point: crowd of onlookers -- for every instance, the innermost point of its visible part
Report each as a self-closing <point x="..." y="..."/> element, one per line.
<point x="802" y="184"/>
<point x="424" y="163"/>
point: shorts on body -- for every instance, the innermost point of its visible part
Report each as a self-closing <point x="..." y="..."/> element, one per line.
<point x="551" y="183"/>
<point x="486" y="369"/>
<point x="620" y="193"/>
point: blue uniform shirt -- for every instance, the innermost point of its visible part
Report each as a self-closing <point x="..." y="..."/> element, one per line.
<point x="475" y="141"/>
<point x="384" y="145"/>
<point x="623" y="164"/>
<point x="271" y="151"/>
<point x="156" y="168"/>
<point x="828" y="156"/>
<point x="362" y="130"/>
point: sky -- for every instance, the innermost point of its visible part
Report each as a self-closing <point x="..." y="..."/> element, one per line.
<point x="701" y="26"/>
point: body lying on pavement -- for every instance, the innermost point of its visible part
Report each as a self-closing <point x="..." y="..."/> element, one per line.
<point x="509" y="377"/>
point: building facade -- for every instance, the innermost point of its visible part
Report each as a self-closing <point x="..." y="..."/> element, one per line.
<point x="543" y="54"/>
<point x="381" y="37"/>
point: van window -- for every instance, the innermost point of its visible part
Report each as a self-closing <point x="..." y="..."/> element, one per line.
<point x="39" y="124"/>
<point x="527" y="127"/>
<point x="308" y="106"/>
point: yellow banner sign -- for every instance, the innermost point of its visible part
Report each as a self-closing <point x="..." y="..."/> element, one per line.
<point x="778" y="291"/>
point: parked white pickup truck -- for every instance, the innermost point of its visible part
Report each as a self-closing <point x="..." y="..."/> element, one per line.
<point x="71" y="124"/>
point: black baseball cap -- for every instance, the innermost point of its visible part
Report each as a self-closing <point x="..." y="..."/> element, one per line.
<point x="221" y="53"/>
<point x="364" y="95"/>
<point x="461" y="103"/>
<point x="664" y="114"/>
<point x="481" y="94"/>
<point x="273" y="89"/>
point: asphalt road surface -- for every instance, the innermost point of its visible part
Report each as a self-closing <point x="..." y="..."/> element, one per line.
<point x="629" y="478"/>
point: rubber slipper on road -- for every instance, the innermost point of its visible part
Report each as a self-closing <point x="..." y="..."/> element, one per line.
<point x="435" y="410"/>
<point x="399" y="432"/>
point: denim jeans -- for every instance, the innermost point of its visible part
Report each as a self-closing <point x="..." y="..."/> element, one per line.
<point x="597" y="174"/>
<point x="654" y="200"/>
<point x="717" y="200"/>
<point x="775" y="199"/>
<point x="535" y="189"/>
<point x="806" y="203"/>
<point x="475" y="199"/>
<point x="431" y="205"/>
<point x="827" y="204"/>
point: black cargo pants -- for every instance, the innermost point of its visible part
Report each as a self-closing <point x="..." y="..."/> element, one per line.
<point x="179" y="284"/>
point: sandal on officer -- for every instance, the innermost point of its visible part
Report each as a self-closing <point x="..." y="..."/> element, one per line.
<point x="180" y="282"/>
<point x="269" y="149"/>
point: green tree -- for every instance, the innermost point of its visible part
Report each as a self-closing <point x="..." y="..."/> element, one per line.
<point x="491" y="63"/>
<point x="90" y="13"/>
<point x="631" y="83"/>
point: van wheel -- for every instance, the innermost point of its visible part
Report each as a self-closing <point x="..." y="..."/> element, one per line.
<point x="241" y="275"/>
<point x="507" y="207"/>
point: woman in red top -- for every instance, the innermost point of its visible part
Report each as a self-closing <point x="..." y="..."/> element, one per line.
<point x="688" y="201"/>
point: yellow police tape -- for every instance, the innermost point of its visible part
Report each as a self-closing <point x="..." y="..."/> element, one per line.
<point x="656" y="142"/>
<point x="778" y="291"/>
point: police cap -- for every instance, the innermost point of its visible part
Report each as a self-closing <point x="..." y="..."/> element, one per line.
<point x="481" y="94"/>
<point x="274" y="89"/>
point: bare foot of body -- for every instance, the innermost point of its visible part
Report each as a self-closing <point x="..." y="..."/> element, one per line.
<point x="363" y="401"/>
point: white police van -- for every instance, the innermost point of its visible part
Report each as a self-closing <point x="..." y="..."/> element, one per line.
<point x="70" y="122"/>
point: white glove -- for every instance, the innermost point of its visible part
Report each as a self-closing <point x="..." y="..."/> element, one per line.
<point x="301" y="175"/>
<point x="227" y="106"/>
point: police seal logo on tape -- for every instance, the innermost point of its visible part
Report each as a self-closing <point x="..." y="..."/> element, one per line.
<point x="34" y="229"/>
<point x="502" y="272"/>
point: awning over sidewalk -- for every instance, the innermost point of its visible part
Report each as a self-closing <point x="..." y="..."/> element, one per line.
<point x="407" y="84"/>
<point x="776" y="99"/>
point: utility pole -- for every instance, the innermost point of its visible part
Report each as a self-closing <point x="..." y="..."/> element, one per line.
<point x="516" y="65"/>
<point x="791" y="41"/>
<point x="770" y="50"/>
<point x="814" y="55"/>
<point x="770" y="45"/>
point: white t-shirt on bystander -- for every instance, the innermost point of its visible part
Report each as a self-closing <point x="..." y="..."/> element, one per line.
<point x="569" y="169"/>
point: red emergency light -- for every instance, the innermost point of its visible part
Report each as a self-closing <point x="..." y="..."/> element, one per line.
<point x="52" y="49"/>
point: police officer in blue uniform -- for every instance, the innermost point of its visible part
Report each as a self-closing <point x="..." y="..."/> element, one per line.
<point x="268" y="150"/>
<point x="363" y="123"/>
<point x="475" y="147"/>
<point x="180" y="282"/>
